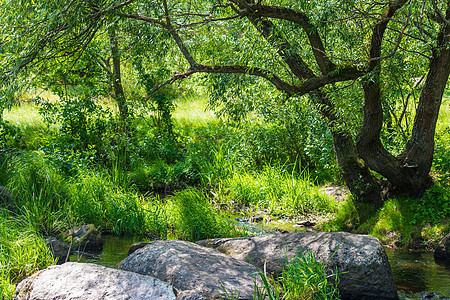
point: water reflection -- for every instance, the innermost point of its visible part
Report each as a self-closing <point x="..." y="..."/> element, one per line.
<point x="115" y="249"/>
<point x="418" y="272"/>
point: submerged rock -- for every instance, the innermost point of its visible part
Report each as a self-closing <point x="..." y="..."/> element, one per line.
<point x="91" y="282"/>
<point x="360" y="260"/>
<point x="85" y="238"/>
<point x="137" y="245"/>
<point x="58" y="248"/>
<point x="442" y="251"/>
<point x="195" y="271"/>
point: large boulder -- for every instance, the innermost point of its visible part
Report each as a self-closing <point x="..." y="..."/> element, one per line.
<point x="442" y="251"/>
<point x="91" y="282"/>
<point x="195" y="271"/>
<point x="361" y="262"/>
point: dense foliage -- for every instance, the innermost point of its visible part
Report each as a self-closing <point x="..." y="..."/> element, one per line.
<point x="163" y="118"/>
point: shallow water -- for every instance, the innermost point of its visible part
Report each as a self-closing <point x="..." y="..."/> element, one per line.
<point x="115" y="249"/>
<point x="413" y="273"/>
<point x="417" y="272"/>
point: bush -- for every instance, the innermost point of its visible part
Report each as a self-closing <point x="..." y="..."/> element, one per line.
<point x="433" y="207"/>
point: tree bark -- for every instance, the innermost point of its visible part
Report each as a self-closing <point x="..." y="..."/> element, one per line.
<point x="116" y="76"/>
<point x="408" y="173"/>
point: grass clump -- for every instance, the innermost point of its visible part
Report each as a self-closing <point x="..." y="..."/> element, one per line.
<point x="40" y="193"/>
<point x="22" y="252"/>
<point x="303" y="278"/>
<point x="192" y="217"/>
<point x="306" y="278"/>
<point x="94" y="199"/>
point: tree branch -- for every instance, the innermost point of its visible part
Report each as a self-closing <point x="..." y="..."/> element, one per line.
<point x="302" y="19"/>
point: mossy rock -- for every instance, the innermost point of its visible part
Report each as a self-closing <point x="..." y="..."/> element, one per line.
<point x="85" y="238"/>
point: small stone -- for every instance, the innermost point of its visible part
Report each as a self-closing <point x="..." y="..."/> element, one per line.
<point x="58" y="248"/>
<point x="85" y="238"/>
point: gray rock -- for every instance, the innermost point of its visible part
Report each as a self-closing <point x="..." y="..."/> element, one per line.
<point x="137" y="245"/>
<point x="362" y="264"/>
<point x="190" y="295"/>
<point x="91" y="282"/>
<point x="58" y="248"/>
<point x="193" y="270"/>
<point x="442" y="251"/>
<point x="85" y="238"/>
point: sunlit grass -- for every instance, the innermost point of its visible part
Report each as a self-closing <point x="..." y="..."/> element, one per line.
<point x="32" y="129"/>
<point x="192" y="111"/>
<point x="22" y="252"/>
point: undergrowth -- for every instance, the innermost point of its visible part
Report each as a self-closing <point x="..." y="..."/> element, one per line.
<point x="403" y="222"/>
<point x="22" y="252"/>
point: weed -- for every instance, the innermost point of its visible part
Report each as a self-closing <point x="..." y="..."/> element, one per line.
<point x="306" y="278"/>
<point x="303" y="278"/>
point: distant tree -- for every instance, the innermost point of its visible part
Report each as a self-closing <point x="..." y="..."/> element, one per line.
<point x="345" y="56"/>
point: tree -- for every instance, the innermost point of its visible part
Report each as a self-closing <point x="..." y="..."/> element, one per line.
<point x="349" y="44"/>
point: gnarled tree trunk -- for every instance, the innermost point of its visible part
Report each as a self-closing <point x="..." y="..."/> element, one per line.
<point x="408" y="173"/>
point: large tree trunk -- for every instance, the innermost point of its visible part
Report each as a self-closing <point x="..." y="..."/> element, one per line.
<point x="417" y="158"/>
<point x="408" y="173"/>
<point x="358" y="178"/>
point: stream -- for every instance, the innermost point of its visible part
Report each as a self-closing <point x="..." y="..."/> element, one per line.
<point x="416" y="275"/>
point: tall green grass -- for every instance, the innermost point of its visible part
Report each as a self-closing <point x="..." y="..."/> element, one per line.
<point x="22" y="252"/>
<point x="306" y="278"/>
<point x="193" y="218"/>
<point x="95" y="199"/>
<point x="277" y="189"/>
<point x="303" y="278"/>
<point x="40" y="192"/>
